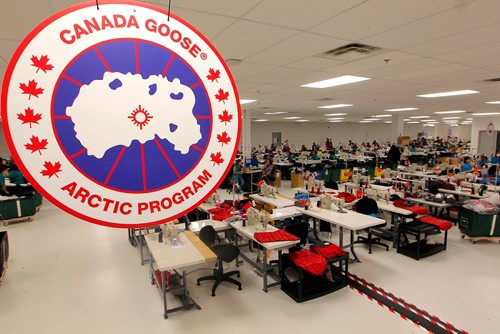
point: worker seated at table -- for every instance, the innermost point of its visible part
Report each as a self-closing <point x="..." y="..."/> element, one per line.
<point x="483" y="160"/>
<point x="238" y="171"/>
<point x="4" y="172"/>
<point x="496" y="158"/>
<point x="491" y="177"/>
<point x="314" y="155"/>
<point x="268" y="173"/>
<point x="466" y="166"/>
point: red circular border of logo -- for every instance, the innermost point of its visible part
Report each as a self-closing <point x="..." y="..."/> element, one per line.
<point x="13" y="150"/>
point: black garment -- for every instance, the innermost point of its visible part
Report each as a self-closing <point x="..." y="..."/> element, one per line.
<point x="394" y="154"/>
<point x="366" y="206"/>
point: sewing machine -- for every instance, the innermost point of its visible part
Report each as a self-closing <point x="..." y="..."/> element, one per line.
<point x="418" y="186"/>
<point x="317" y="186"/>
<point x="213" y="199"/>
<point x="268" y="191"/>
<point x="326" y="201"/>
<point x="256" y="217"/>
<point x="170" y="234"/>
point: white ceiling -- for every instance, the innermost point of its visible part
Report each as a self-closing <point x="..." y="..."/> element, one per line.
<point x="432" y="46"/>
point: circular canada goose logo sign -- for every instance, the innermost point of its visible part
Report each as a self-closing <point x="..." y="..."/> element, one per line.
<point x="123" y="116"/>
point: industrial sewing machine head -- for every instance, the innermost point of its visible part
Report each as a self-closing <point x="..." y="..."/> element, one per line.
<point x="418" y="186"/>
<point x="326" y="201"/>
<point x="364" y="179"/>
<point x="257" y="218"/>
<point x="268" y="191"/>
<point x="214" y="198"/>
<point x="317" y="187"/>
<point x="371" y="193"/>
<point x="170" y="233"/>
<point x="356" y="179"/>
<point x="339" y="202"/>
<point x="384" y="195"/>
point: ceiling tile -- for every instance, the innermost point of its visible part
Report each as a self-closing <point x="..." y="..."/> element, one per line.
<point x="298" y="14"/>
<point x="234" y="8"/>
<point x="314" y="63"/>
<point x="276" y="75"/>
<point x="247" y="38"/>
<point x="29" y="12"/>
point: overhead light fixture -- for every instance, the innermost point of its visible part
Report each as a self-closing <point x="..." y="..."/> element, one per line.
<point x="245" y="101"/>
<point x="383" y="115"/>
<point x="416" y="117"/>
<point x="432" y="123"/>
<point x="485" y="113"/>
<point x="428" y="120"/>
<point x="336" y="121"/>
<point x="372" y="119"/>
<point x="406" y="120"/>
<point x="333" y="106"/>
<point x="493" y="102"/>
<point x="401" y="109"/>
<point x="337" y="114"/>
<point x="276" y="113"/>
<point x="429" y="124"/>
<point x="292" y="117"/>
<point x="413" y="122"/>
<point x="302" y="120"/>
<point x="261" y="120"/>
<point x="365" y="121"/>
<point x="449" y="112"/>
<point x="335" y="118"/>
<point x="454" y="117"/>
<point x="450" y="93"/>
<point x="469" y="119"/>
<point x="388" y="122"/>
<point x="454" y="125"/>
<point x="451" y="121"/>
<point x="337" y="81"/>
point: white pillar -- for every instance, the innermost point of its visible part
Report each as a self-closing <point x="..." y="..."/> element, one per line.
<point x="246" y="139"/>
<point x="396" y="128"/>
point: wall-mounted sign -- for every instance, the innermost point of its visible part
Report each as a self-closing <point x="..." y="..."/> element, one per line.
<point x="490" y="128"/>
<point x="121" y="116"/>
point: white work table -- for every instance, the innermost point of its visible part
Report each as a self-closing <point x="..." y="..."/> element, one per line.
<point x="218" y="225"/>
<point x="460" y="193"/>
<point x="263" y="268"/>
<point x="285" y="213"/>
<point x="350" y="220"/>
<point x="190" y="251"/>
<point x="278" y="202"/>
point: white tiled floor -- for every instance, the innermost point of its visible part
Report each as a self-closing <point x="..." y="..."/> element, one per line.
<point x="67" y="276"/>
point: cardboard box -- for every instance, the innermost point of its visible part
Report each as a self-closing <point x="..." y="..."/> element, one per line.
<point x="277" y="180"/>
<point x="297" y="180"/>
<point x="404" y="140"/>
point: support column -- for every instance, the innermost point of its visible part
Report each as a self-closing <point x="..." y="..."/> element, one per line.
<point x="397" y="128"/>
<point x="246" y="139"/>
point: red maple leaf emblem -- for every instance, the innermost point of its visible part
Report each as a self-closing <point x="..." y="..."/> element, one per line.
<point x="213" y="75"/>
<point x="29" y="117"/>
<point x="36" y="144"/>
<point x="225" y="117"/>
<point x="41" y="63"/>
<point x="222" y="96"/>
<point x="31" y="89"/>
<point x="51" y="169"/>
<point x="216" y="158"/>
<point x="223" y="138"/>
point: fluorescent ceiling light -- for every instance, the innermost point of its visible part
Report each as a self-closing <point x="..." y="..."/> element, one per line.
<point x="261" y="120"/>
<point x="335" y="118"/>
<point x="365" y="121"/>
<point x="406" y="119"/>
<point x="451" y="121"/>
<point x="431" y="125"/>
<point x="413" y="122"/>
<point x="335" y="121"/>
<point x="401" y="109"/>
<point x="388" y="122"/>
<point x="469" y="119"/>
<point x="302" y="120"/>
<point x="428" y="120"/>
<point x="337" y="114"/>
<point x="485" y="113"/>
<point x="343" y="80"/>
<point x="292" y="117"/>
<point x="450" y="93"/>
<point x="383" y="115"/>
<point x="493" y="102"/>
<point x="454" y="117"/>
<point x="333" y="106"/>
<point x="454" y="125"/>
<point x="449" y="112"/>
<point x="372" y="119"/>
<point x="416" y="117"/>
<point x="276" y="113"/>
<point x="245" y="101"/>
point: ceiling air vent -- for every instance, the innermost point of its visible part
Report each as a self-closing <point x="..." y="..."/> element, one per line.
<point x="350" y="52"/>
<point x="492" y="80"/>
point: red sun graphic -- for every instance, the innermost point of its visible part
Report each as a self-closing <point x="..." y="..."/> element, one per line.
<point x="140" y="117"/>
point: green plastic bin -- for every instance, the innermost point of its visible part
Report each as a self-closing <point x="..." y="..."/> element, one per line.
<point x="474" y="224"/>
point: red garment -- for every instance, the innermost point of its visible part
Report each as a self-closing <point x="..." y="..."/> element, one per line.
<point x="348" y="197"/>
<point x="309" y="261"/>
<point x="221" y="213"/>
<point x="418" y="210"/>
<point x="442" y="224"/>
<point x="278" y="235"/>
<point x="247" y="206"/>
<point x="329" y="251"/>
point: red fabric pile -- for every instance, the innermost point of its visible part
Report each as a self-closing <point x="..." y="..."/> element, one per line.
<point x="223" y="212"/>
<point x="442" y="224"/>
<point x="418" y="210"/>
<point x="278" y="235"/>
<point x="309" y="261"/>
<point x="329" y="251"/>
<point x="348" y="197"/>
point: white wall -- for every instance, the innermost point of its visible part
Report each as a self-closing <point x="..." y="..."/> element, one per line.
<point x="4" y="151"/>
<point x="481" y="123"/>
<point x="307" y="133"/>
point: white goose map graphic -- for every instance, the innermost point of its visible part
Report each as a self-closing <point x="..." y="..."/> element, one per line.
<point x="123" y="116"/>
